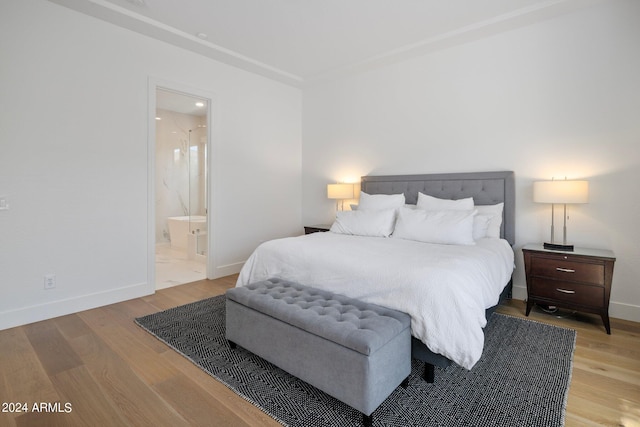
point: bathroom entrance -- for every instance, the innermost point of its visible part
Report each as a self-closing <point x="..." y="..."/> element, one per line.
<point x="181" y="234"/>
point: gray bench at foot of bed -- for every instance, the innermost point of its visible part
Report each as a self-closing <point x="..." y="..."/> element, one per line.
<point x="356" y="352"/>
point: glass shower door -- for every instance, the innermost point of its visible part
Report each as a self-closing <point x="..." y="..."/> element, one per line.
<point x="197" y="159"/>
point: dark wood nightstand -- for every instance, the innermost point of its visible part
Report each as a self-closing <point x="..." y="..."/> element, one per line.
<point x="308" y="229"/>
<point x="579" y="280"/>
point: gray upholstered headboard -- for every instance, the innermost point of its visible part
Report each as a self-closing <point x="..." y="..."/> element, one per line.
<point x="486" y="188"/>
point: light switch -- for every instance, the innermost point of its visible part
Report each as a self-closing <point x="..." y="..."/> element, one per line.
<point x="4" y="206"/>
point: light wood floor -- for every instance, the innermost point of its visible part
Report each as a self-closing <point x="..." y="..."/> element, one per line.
<point x="112" y="373"/>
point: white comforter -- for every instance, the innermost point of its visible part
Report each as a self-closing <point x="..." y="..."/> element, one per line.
<point x="444" y="288"/>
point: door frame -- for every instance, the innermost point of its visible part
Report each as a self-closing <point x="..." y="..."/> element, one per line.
<point x="212" y="229"/>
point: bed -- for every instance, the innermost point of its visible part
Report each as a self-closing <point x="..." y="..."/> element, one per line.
<point x="449" y="290"/>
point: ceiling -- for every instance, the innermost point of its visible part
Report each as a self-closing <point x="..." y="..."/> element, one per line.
<point x="180" y="103"/>
<point x="301" y="41"/>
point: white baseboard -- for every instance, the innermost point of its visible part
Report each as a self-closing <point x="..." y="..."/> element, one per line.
<point x="620" y="310"/>
<point x="52" y="309"/>
<point x="519" y="292"/>
<point x="227" y="270"/>
<point x="49" y="310"/>
<point x="617" y="310"/>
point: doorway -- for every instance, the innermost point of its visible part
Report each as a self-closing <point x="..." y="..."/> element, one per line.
<point x="181" y="213"/>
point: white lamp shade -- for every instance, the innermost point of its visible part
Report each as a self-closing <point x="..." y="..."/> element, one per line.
<point x="340" y="191"/>
<point x="561" y="192"/>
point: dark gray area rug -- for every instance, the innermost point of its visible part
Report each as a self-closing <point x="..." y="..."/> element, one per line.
<point x="521" y="380"/>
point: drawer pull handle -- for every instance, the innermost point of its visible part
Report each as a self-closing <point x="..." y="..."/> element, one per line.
<point x="565" y="291"/>
<point x="565" y="270"/>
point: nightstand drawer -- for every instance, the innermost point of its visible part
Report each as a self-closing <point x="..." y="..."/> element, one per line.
<point x="568" y="270"/>
<point x="568" y="292"/>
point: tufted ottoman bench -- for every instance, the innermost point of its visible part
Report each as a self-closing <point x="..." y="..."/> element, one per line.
<point x="354" y="351"/>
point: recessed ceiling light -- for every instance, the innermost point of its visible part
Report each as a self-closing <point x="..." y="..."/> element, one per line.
<point x="199" y="104"/>
<point x="202" y="36"/>
<point x="158" y="118"/>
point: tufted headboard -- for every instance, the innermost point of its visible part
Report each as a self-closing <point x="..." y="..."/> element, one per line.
<point x="486" y="188"/>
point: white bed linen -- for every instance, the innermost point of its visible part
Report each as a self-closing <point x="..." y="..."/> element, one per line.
<point x="444" y="288"/>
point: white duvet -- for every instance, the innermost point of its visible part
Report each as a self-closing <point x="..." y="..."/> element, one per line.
<point x="444" y="288"/>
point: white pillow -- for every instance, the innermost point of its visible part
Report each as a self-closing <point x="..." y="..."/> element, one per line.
<point x="443" y="227"/>
<point x="378" y="202"/>
<point x="495" y="213"/>
<point x="431" y="203"/>
<point x="365" y="223"/>
<point x="480" y="226"/>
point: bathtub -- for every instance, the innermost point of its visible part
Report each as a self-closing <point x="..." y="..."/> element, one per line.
<point x="179" y="229"/>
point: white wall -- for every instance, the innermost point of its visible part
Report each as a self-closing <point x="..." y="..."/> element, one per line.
<point x="557" y="98"/>
<point x="74" y="165"/>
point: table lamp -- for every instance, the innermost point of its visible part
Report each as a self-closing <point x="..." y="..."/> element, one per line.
<point x="562" y="192"/>
<point x="340" y="192"/>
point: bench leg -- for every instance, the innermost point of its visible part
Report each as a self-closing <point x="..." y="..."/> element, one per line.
<point x="232" y="345"/>
<point x="367" y="420"/>
<point x="429" y="372"/>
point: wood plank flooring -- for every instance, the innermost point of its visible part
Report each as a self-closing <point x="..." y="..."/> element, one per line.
<point x="110" y="372"/>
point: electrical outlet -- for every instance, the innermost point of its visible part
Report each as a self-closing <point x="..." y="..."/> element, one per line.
<point x="49" y="281"/>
